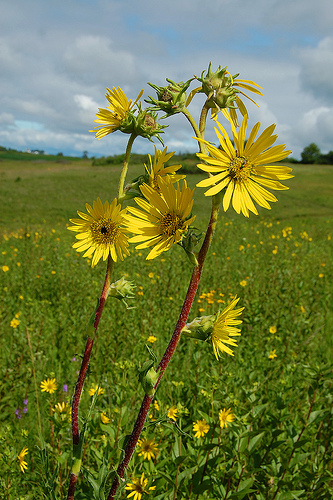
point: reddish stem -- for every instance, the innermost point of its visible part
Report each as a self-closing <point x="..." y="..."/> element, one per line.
<point x="191" y="291"/>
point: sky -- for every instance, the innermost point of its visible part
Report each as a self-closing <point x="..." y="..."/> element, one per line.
<point x="58" y="57"/>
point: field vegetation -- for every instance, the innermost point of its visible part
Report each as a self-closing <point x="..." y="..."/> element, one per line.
<point x="278" y="385"/>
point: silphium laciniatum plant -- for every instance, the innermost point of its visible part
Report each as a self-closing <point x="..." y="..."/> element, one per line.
<point x="239" y="173"/>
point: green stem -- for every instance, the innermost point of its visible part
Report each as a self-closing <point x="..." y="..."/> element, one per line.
<point x="132" y="138"/>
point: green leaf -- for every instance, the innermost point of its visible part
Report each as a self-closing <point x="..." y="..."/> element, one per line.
<point x="254" y="442"/>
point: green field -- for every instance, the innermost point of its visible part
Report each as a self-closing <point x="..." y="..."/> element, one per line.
<point x="280" y="265"/>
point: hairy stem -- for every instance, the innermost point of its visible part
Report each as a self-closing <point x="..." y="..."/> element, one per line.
<point x="193" y="286"/>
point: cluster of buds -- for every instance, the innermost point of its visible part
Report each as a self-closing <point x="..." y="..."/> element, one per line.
<point x="146" y="124"/>
<point x="170" y="99"/>
<point x="218" y="86"/>
<point x="122" y="290"/>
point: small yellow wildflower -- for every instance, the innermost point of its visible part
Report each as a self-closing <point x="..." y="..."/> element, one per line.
<point x="150" y="275"/>
<point x="225" y="417"/>
<point x="137" y="487"/>
<point x="14" y="323"/>
<point x="104" y="418"/>
<point x="273" y="329"/>
<point x="156" y="405"/>
<point x="321" y="275"/>
<point x="49" y="385"/>
<point x="172" y="413"/>
<point x="23" y="463"/>
<point x="5" y="269"/>
<point x="92" y="390"/>
<point x="272" y="354"/>
<point x="200" y="427"/>
<point x="243" y="283"/>
<point x="148" y="448"/>
<point x="151" y="339"/>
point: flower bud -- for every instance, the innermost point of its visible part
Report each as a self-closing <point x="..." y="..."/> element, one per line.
<point x="170" y="99"/>
<point x="146" y="125"/>
<point x="122" y="290"/>
<point x="189" y="241"/>
<point x="200" y="328"/>
<point x="148" y="377"/>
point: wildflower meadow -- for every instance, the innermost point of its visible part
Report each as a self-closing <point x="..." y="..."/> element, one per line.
<point x="166" y="334"/>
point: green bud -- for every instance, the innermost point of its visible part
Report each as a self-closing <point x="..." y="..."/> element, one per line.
<point x="148" y="377"/>
<point x="146" y="124"/>
<point x="127" y="124"/>
<point x="218" y="86"/>
<point x="170" y="99"/>
<point x="188" y="242"/>
<point x="122" y="290"/>
<point x="200" y="328"/>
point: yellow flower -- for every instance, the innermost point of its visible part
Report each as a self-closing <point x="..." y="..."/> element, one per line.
<point x="137" y="487"/>
<point x="5" y="269"/>
<point x="166" y="218"/>
<point x="62" y="408"/>
<point x="244" y="169"/>
<point x="272" y="354"/>
<point x="151" y="339"/>
<point x="224" y="329"/>
<point x="157" y="169"/>
<point x="200" y="427"/>
<point x="23" y="463"/>
<point x="243" y="283"/>
<point x="104" y="418"/>
<point x="92" y="390"/>
<point x="225" y="417"/>
<point x="150" y="275"/>
<point x="156" y="405"/>
<point x="118" y="109"/>
<point x="172" y="413"/>
<point x="273" y="329"/>
<point x="49" y="385"/>
<point x="101" y="232"/>
<point x="14" y="323"/>
<point x="148" y="448"/>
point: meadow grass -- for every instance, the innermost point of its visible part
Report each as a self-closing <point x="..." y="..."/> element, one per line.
<point x="279" y="264"/>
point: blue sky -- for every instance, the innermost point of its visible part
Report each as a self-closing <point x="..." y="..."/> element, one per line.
<point x="57" y="58"/>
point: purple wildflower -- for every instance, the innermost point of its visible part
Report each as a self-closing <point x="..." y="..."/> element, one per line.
<point x="65" y="387"/>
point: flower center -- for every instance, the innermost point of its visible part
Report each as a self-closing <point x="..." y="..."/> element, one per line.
<point x="103" y="231"/>
<point x="170" y="223"/>
<point x="240" y="169"/>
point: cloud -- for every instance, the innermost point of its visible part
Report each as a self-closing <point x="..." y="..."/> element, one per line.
<point x="316" y="74"/>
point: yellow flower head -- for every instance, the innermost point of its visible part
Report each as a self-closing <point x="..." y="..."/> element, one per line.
<point x="92" y="390"/>
<point x="200" y="427"/>
<point x="62" y="407"/>
<point x="119" y="107"/>
<point x="49" y="385"/>
<point x="148" y="448"/>
<point x="157" y="169"/>
<point x="101" y="232"/>
<point x="138" y="487"/>
<point x="224" y="329"/>
<point x="5" y="269"/>
<point x="151" y="339"/>
<point x="23" y="463"/>
<point x="104" y="418"/>
<point x="14" y="323"/>
<point x="172" y="413"/>
<point x="166" y="218"/>
<point x="244" y="169"/>
<point x="225" y="417"/>
<point x="272" y="354"/>
<point x="272" y="329"/>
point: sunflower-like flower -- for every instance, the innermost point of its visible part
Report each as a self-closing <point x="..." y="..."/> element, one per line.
<point x="117" y="115"/>
<point x="244" y="170"/>
<point x="102" y="232"/>
<point x="21" y="459"/>
<point x="225" y="417"/>
<point x="224" y="329"/>
<point x="49" y="385"/>
<point x="148" y="448"/>
<point x="200" y="427"/>
<point x="166" y="218"/>
<point x="157" y="170"/>
<point x="138" y="487"/>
